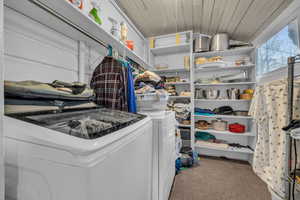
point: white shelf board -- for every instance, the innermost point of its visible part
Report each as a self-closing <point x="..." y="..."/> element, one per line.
<point x="70" y="13"/>
<point x="185" y="47"/>
<point x="222" y="100"/>
<point x="177" y="83"/>
<point x="184" y="126"/>
<point x="224" y="116"/>
<point x="229" y="52"/>
<point x="175" y="70"/>
<point x="179" y="97"/>
<point x="225" y="84"/>
<point x="229" y="149"/>
<point x="246" y="134"/>
<point x="207" y="69"/>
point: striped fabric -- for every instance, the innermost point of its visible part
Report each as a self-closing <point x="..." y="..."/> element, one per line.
<point x="109" y="82"/>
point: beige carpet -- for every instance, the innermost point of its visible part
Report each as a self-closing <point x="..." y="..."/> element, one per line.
<point x="217" y="179"/>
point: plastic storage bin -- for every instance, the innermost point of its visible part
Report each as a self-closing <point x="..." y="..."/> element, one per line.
<point x="152" y="102"/>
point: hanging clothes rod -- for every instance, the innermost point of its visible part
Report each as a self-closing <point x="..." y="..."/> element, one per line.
<point x="67" y="21"/>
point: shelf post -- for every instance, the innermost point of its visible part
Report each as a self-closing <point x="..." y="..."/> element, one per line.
<point x="1" y="104"/>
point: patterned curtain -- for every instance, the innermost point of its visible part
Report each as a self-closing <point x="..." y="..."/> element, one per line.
<point x="269" y="109"/>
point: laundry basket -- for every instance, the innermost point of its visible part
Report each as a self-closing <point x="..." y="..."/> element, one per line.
<point x="152" y="101"/>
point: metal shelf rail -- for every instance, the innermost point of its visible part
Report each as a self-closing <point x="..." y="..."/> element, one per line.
<point x="291" y="141"/>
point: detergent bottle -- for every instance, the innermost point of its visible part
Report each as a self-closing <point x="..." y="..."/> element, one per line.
<point x="95" y="12"/>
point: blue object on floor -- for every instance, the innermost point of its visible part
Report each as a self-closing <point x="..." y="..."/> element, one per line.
<point x="178" y="165"/>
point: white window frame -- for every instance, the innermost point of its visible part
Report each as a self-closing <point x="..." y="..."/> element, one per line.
<point x="290" y="14"/>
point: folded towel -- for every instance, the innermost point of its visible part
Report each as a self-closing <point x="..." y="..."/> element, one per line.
<point x="201" y="110"/>
<point x="205" y="114"/>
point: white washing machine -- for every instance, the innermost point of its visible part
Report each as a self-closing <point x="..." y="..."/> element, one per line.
<point x="164" y="153"/>
<point x="43" y="164"/>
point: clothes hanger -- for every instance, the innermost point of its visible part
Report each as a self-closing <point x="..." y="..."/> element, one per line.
<point x="110" y="51"/>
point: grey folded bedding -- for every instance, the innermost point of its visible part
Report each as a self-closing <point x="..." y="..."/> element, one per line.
<point x="17" y="106"/>
<point x="39" y="90"/>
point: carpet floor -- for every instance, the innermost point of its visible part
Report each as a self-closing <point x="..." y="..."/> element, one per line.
<point x="219" y="179"/>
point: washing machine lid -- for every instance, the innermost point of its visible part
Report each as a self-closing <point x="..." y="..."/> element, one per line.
<point x="157" y="114"/>
<point x="87" y="123"/>
<point x="28" y="132"/>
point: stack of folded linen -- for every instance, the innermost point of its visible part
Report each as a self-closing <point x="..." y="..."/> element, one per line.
<point x="33" y="96"/>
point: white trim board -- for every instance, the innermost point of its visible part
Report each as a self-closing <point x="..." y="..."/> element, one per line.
<point x="277" y="74"/>
<point x="288" y="15"/>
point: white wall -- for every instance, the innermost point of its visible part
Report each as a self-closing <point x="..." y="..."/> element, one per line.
<point x="1" y="106"/>
<point x="35" y="52"/>
<point x="93" y="58"/>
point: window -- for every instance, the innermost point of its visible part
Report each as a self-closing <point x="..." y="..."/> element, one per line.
<point x="273" y="53"/>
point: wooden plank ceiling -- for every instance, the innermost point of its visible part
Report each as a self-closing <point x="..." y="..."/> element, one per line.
<point x="242" y="19"/>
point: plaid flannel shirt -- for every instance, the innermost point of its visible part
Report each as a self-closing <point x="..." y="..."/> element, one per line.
<point x="109" y="82"/>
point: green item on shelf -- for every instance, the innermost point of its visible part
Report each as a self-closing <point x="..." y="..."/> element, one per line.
<point x="94" y="14"/>
<point x="205" y="136"/>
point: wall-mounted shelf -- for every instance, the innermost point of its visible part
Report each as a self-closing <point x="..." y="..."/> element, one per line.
<point x="177" y="83"/>
<point x="224" y="116"/>
<point x="183" y="126"/>
<point x="175" y="70"/>
<point x="229" y="52"/>
<point x="218" y="69"/>
<point x="179" y="97"/>
<point x="207" y="69"/>
<point x="164" y="54"/>
<point x="246" y="134"/>
<point x="225" y="84"/>
<point x="229" y="149"/>
<point x="63" y="17"/>
<point x="223" y="100"/>
<point x="176" y="57"/>
<point x="173" y="49"/>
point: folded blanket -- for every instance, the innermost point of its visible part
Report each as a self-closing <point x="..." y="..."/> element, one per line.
<point x="39" y="90"/>
<point x="75" y="87"/>
<point x="17" y="106"/>
<point x="204" y="136"/>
